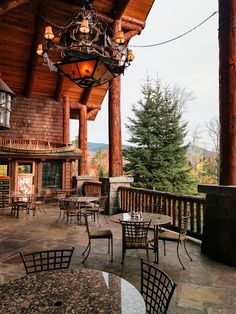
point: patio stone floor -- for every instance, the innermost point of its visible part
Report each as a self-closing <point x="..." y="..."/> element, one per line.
<point x="206" y="286"/>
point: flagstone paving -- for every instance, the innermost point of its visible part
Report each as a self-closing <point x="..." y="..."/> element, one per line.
<point x="206" y="286"/>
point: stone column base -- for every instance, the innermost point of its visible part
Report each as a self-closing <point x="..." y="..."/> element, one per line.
<point x="110" y="187"/>
<point x="219" y="229"/>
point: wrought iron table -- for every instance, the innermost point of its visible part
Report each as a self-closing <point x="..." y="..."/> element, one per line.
<point x="156" y="221"/>
<point x="71" y="291"/>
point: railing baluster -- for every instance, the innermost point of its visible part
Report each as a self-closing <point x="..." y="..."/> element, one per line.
<point x="174" y="205"/>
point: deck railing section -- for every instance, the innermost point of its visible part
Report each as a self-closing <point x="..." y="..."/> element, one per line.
<point x="174" y="205"/>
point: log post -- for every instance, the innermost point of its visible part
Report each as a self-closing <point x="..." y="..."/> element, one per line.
<point x="83" y="168"/>
<point x="115" y="141"/>
<point x="227" y="90"/>
<point x="66" y="120"/>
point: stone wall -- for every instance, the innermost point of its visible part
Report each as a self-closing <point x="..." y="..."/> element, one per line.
<point x="35" y="119"/>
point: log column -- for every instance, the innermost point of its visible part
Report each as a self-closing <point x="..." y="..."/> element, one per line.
<point x="227" y="89"/>
<point x="66" y="120"/>
<point x="83" y="142"/>
<point x="115" y="141"/>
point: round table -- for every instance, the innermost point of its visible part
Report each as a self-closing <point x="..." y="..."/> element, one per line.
<point x="71" y="291"/>
<point x="82" y="199"/>
<point x="156" y="221"/>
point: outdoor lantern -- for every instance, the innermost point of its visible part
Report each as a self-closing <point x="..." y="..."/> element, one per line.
<point x="87" y="72"/>
<point x="85" y="49"/>
<point x="6" y="95"/>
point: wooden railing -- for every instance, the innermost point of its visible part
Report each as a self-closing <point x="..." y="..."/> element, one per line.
<point x="134" y="199"/>
<point x="92" y="188"/>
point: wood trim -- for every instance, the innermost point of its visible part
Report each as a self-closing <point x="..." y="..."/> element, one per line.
<point x="8" y="5"/>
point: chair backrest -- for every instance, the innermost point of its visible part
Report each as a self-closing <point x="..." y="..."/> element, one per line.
<point x="157" y="288"/>
<point x="135" y="231"/>
<point x="46" y="260"/>
<point x="183" y="228"/>
<point x="102" y="201"/>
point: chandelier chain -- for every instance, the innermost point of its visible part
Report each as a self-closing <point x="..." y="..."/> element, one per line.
<point x="177" y="37"/>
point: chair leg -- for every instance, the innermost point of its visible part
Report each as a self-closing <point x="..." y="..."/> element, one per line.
<point x="98" y="219"/>
<point x="164" y="244"/>
<point x="58" y="217"/>
<point x="87" y="248"/>
<point x="147" y="254"/>
<point x="179" y="256"/>
<point x="187" y="251"/>
<point x="111" y="243"/>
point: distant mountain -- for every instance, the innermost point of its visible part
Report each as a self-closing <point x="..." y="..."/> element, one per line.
<point x="94" y="147"/>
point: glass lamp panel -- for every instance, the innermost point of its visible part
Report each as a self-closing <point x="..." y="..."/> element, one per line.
<point x="102" y="73"/>
<point x="70" y="69"/>
<point x="86" y="68"/>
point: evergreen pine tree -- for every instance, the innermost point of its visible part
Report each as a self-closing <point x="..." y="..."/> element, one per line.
<point x="157" y="158"/>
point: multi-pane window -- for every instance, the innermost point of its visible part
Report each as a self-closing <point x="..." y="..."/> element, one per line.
<point x="52" y="174"/>
<point x="4" y="169"/>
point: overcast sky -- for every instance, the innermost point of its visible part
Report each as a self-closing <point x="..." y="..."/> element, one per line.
<point x="190" y="62"/>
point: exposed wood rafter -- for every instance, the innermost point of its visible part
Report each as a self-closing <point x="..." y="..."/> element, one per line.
<point x="92" y="114"/>
<point x="119" y="8"/>
<point x="32" y="64"/>
<point x="7" y="5"/>
<point x="85" y="96"/>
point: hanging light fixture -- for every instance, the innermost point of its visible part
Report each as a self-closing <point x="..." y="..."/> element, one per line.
<point x="89" y="54"/>
<point x="6" y="95"/>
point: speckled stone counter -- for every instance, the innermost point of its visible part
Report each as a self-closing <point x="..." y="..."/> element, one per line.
<point x="71" y="291"/>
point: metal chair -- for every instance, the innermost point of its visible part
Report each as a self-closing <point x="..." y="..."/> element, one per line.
<point x="98" y="234"/>
<point x="46" y="260"/>
<point x="179" y="237"/>
<point x="157" y="288"/>
<point x="98" y="208"/>
<point x="134" y="236"/>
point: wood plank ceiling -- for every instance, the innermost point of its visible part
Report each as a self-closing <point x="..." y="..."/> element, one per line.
<point x="22" y="28"/>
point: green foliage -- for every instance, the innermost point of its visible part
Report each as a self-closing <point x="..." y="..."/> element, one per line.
<point x="99" y="160"/>
<point x="158" y="158"/>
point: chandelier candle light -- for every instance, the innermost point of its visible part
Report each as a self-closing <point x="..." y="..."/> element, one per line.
<point x="89" y="53"/>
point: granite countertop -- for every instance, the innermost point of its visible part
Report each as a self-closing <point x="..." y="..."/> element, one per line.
<point x="71" y="291"/>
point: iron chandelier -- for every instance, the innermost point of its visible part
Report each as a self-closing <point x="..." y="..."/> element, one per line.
<point x="90" y="54"/>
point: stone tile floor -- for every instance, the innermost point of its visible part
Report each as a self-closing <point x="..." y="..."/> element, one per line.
<point x="206" y="286"/>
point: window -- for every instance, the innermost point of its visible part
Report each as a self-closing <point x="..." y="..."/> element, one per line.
<point x="25" y="167"/>
<point x="52" y="174"/>
<point x="4" y="169"/>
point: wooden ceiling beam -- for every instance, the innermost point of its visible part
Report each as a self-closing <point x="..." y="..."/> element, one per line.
<point x="85" y="96"/>
<point x="127" y="22"/>
<point x="119" y="8"/>
<point x="78" y="105"/>
<point x="33" y="60"/>
<point x="91" y="115"/>
<point x="8" y="5"/>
